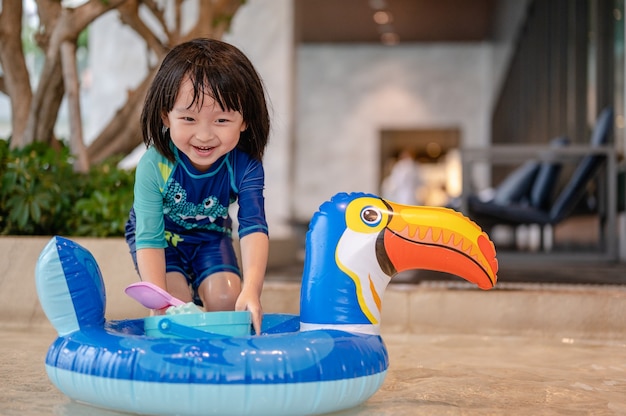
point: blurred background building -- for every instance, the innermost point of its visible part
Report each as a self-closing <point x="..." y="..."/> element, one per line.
<point x="352" y="82"/>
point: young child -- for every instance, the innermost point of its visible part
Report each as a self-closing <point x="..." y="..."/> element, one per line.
<point x="206" y="125"/>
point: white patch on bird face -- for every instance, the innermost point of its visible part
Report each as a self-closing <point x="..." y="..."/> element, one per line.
<point x="356" y="256"/>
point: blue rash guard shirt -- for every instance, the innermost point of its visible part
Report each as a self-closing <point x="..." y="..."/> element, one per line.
<point x="176" y="202"/>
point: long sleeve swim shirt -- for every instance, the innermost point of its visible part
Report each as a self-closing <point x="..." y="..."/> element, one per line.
<point x="175" y="200"/>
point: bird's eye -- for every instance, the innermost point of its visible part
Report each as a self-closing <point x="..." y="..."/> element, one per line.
<point x="371" y="216"/>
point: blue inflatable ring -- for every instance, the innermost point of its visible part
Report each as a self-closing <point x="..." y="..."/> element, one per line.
<point x="329" y="358"/>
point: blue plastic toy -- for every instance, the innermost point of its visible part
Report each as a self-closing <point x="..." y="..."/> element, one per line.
<point x="329" y="358"/>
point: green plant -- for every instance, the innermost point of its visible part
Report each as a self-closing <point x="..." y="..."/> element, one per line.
<point x="42" y="195"/>
<point x="103" y="209"/>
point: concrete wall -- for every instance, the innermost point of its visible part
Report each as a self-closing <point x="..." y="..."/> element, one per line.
<point x="19" y="303"/>
<point x="347" y="94"/>
<point x="560" y="312"/>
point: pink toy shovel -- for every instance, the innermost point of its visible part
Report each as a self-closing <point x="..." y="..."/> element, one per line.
<point x="151" y="296"/>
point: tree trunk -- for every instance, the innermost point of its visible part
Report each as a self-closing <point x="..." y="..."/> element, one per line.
<point x="60" y="25"/>
<point x="34" y="114"/>
<point x="70" y="79"/>
<point x="214" y="18"/>
<point x="123" y="134"/>
<point x="15" y="80"/>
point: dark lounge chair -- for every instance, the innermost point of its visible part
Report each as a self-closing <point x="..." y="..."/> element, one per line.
<point x="525" y="197"/>
<point x="528" y="188"/>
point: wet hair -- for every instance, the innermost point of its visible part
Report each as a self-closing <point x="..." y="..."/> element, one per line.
<point x="219" y="70"/>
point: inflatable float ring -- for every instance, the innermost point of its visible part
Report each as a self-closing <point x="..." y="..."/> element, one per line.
<point x="330" y="357"/>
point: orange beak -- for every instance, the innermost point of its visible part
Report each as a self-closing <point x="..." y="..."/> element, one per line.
<point x="439" y="239"/>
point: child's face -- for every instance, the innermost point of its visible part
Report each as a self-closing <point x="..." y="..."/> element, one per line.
<point x="203" y="134"/>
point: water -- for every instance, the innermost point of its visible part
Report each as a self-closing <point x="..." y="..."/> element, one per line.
<point x="428" y="375"/>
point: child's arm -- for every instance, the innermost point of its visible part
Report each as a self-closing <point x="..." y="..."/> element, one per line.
<point x="151" y="265"/>
<point x="254" y="252"/>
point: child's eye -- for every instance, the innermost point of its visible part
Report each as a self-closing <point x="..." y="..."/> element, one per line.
<point x="222" y="120"/>
<point x="188" y="119"/>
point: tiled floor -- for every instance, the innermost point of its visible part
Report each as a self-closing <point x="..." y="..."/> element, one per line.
<point x="441" y="363"/>
<point x="428" y="375"/>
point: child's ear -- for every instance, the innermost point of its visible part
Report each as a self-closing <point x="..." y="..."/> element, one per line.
<point x="165" y="120"/>
<point x="244" y="127"/>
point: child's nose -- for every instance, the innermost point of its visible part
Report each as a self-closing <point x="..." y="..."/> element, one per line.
<point x="205" y="134"/>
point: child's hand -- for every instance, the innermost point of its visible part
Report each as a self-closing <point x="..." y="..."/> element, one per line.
<point x="248" y="301"/>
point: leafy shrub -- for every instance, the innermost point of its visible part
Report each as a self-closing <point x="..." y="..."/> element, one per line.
<point x="42" y="195"/>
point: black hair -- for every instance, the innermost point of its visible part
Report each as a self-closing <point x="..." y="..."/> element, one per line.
<point x="217" y="69"/>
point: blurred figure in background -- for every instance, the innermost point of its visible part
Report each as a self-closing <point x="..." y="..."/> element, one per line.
<point x="405" y="182"/>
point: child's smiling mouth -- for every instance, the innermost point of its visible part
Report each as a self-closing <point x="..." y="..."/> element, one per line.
<point x="203" y="149"/>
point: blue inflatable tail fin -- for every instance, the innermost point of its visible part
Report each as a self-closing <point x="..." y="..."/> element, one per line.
<point x="70" y="286"/>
